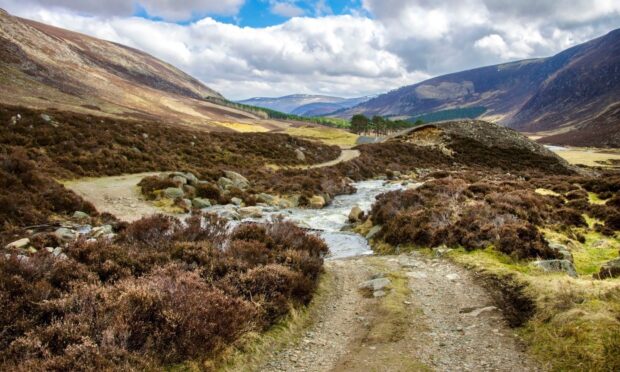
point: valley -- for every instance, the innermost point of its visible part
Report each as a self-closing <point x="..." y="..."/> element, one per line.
<point x="149" y="223"/>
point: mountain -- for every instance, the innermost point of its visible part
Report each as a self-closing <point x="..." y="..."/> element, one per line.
<point x="562" y="93"/>
<point x="44" y="67"/>
<point x="305" y="104"/>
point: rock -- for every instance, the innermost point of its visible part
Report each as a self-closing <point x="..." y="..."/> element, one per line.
<point x="184" y="204"/>
<point x="293" y="200"/>
<point x="417" y="275"/>
<point x="300" y="155"/>
<point x="236" y="201"/>
<point x="201" y="203"/>
<point x="562" y="250"/>
<point x="173" y="193"/>
<point x="373" y="232"/>
<point x="225" y="183"/>
<point x="317" y="202"/>
<point x="284" y="204"/>
<point x="65" y="235"/>
<point x="238" y="180"/>
<point x="397" y="174"/>
<point x="356" y="214"/>
<point x="46" y="118"/>
<point x="477" y="311"/>
<point x="440" y="251"/>
<point x="145" y="135"/>
<point x="228" y="212"/>
<point x="557" y="266"/>
<point x="179" y="180"/>
<point x="266" y="198"/>
<point x="102" y="231"/>
<point x="600" y="243"/>
<point x="191" y="178"/>
<point x="80" y="216"/>
<point x="14" y="120"/>
<point x="189" y="190"/>
<point x="19" y="244"/>
<point x="453" y="277"/>
<point x="250" y="212"/>
<point x="375" y="284"/>
<point x="610" y="269"/>
<point x="378" y="294"/>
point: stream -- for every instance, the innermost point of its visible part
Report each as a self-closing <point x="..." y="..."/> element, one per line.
<point x="329" y="221"/>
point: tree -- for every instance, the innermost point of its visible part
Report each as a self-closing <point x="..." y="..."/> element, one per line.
<point x="359" y="124"/>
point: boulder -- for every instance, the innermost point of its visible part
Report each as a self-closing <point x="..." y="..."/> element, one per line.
<point x="238" y="180"/>
<point x="300" y="155"/>
<point x="250" y="212"/>
<point x="225" y="183"/>
<point x="191" y="178"/>
<point x="80" y="216"/>
<point x="236" y="201"/>
<point x="173" y="193"/>
<point x="65" y="235"/>
<point x="562" y="250"/>
<point x="375" y="284"/>
<point x="373" y="232"/>
<point x="190" y="191"/>
<point x="100" y="231"/>
<point x="293" y="201"/>
<point x="19" y="244"/>
<point x="266" y="198"/>
<point x="356" y="214"/>
<point x="317" y="202"/>
<point x="557" y="266"/>
<point x="397" y="174"/>
<point x="46" y="118"/>
<point x="179" y="180"/>
<point x="610" y="269"/>
<point x="201" y="203"/>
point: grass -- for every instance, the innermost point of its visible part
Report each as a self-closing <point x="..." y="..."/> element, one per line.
<point x="595" y="199"/>
<point x="591" y="158"/>
<point x="546" y="192"/>
<point x="576" y="326"/>
<point x="253" y="350"/>
<point x="242" y="127"/>
<point x="330" y="136"/>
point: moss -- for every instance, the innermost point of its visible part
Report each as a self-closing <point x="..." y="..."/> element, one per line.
<point x="595" y="199"/>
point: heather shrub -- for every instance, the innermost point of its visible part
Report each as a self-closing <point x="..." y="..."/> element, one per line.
<point x="153" y="183"/>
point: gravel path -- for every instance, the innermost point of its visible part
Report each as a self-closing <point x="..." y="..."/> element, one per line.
<point x="345" y="155"/>
<point x="451" y="324"/>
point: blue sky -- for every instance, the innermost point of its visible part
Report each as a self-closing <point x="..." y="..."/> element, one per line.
<point x="347" y="48"/>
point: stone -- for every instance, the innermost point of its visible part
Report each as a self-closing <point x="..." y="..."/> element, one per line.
<point x="293" y="200"/>
<point x="179" y="180"/>
<point x="284" y="204"/>
<point x="356" y="214"/>
<point x="65" y="235"/>
<point x="102" y="231"/>
<point x="317" y="202"/>
<point x="80" y="216"/>
<point x="300" y="155"/>
<point x="452" y="277"/>
<point x="46" y="118"/>
<point x="557" y="266"/>
<point x="397" y="174"/>
<point x="250" y="212"/>
<point x="184" y="204"/>
<point x="173" y="193"/>
<point x="440" y="251"/>
<point x="562" y="250"/>
<point x="477" y="311"/>
<point x="378" y="294"/>
<point x="201" y="203"/>
<point x="191" y="178"/>
<point x="375" y="284"/>
<point x="236" y="201"/>
<point x="19" y="244"/>
<point x="610" y="269"/>
<point x="238" y="180"/>
<point x="417" y="275"/>
<point x="190" y="191"/>
<point x="373" y="232"/>
<point x="225" y="183"/>
<point x="266" y="198"/>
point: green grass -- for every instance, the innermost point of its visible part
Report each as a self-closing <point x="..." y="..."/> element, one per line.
<point x="451" y="114"/>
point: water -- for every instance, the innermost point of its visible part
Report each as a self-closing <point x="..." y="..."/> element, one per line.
<point x="555" y="148"/>
<point x="329" y="221"/>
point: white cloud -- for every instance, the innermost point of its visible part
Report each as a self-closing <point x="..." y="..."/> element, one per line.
<point x="285" y="9"/>
<point x="385" y="45"/>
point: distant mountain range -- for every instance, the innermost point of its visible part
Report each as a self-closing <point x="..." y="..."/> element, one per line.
<point x="45" y="67"/>
<point x="576" y="91"/>
<point x="305" y="104"/>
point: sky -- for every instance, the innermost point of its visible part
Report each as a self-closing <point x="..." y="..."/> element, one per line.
<point x="348" y="48"/>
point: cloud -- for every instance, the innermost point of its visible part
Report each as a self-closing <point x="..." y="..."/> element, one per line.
<point x="285" y="9"/>
<point x="172" y="10"/>
<point x="381" y="45"/>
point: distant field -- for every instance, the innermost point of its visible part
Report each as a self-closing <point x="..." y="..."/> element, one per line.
<point x="590" y="157"/>
<point x="330" y="136"/>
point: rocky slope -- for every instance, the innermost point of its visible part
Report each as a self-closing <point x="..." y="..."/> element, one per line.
<point x="305" y="104"/>
<point x="47" y="67"/>
<point x="561" y="93"/>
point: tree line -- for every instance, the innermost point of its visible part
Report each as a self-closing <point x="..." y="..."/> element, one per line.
<point x="379" y="126"/>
